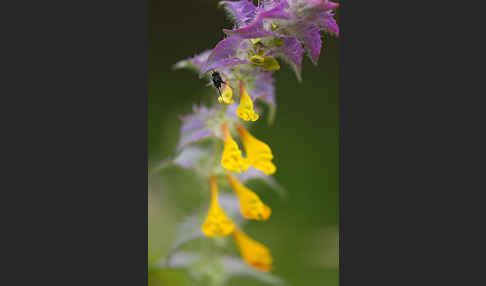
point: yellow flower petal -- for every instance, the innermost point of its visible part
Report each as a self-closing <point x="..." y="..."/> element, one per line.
<point x="217" y="223"/>
<point x="227" y="95"/>
<point x="245" y="109"/>
<point x="270" y="64"/>
<point x="232" y="160"/>
<point x="256" y="59"/>
<point x="258" y="153"/>
<point x="255" y="41"/>
<point x="253" y="252"/>
<point x="251" y="205"/>
<point x="266" y="63"/>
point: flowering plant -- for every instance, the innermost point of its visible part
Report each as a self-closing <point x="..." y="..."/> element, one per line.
<point x="245" y="61"/>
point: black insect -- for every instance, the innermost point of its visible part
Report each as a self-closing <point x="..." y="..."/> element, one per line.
<point x="217" y="81"/>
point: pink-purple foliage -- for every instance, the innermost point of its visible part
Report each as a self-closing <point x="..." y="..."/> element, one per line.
<point x="274" y="28"/>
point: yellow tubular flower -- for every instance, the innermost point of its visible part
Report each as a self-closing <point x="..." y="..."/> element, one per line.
<point x="245" y="109"/>
<point x="258" y="153"/>
<point x="253" y="252"/>
<point x="255" y="41"/>
<point x="227" y="95"/>
<point x="266" y="63"/>
<point x="231" y="159"/>
<point x="251" y="205"/>
<point x="217" y="223"/>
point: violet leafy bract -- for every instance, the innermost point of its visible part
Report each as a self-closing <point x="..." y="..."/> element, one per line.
<point x="241" y="12"/>
<point x="292" y="52"/>
<point x="309" y="34"/>
<point x="195" y="63"/>
<point x="279" y="11"/>
<point x="223" y="53"/>
<point x="194" y="126"/>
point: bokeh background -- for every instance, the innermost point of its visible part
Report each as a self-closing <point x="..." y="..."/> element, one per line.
<point x="302" y="232"/>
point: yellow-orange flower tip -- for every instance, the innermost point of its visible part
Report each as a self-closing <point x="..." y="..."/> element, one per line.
<point x="251" y="205"/>
<point x="232" y="160"/>
<point x="217" y="223"/>
<point x="253" y="252"/>
<point x="258" y="153"/>
<point x="245" y="109"/>
<point x="226" y="96"/>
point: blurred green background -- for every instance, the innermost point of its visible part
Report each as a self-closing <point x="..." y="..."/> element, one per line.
<point x="302" y="232"/>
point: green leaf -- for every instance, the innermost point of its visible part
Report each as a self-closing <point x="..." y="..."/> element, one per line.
<point x="188" y="230"/>
<point x="158" y="167"/>
<point x="231" y="266"/>
<point x="254" y="174"/>
<point x="234" y="266"/>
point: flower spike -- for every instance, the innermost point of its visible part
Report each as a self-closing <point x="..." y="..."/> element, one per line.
<point x="263" y="35"/>
<point x="245" y="109"/>
<point x="217" y="223"/>
<point x="259" y="154"/>
<point x="253" y="252"/>
<point x="251" y="205"/>
<point x="231" y="159"/>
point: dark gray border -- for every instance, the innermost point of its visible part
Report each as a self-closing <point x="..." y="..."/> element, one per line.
<point x="76" y="180"/>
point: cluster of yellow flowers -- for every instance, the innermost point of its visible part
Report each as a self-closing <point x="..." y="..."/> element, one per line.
<point x="259" y="155"/>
